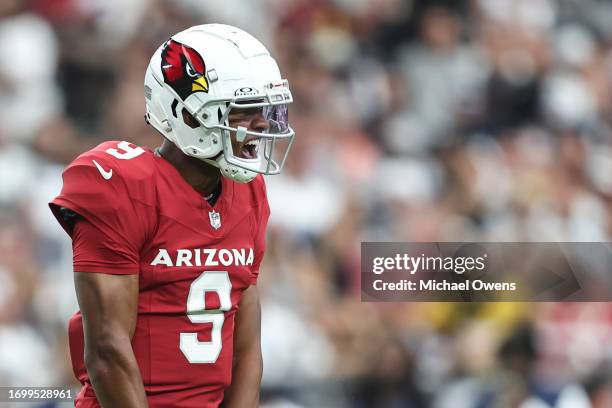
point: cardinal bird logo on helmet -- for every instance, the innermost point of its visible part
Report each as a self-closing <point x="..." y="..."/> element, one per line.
<point x="183" y="68"/>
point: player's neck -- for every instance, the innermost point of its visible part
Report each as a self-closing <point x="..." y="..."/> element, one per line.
<point x="203" y="177"/>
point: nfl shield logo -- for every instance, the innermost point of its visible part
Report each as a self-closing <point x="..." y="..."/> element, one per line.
<point x="215" y="219"/>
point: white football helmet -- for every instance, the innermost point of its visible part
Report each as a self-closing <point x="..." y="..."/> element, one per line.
<point x="207" y="71"/>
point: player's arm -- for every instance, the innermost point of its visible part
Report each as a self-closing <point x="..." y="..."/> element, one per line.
<point x="248" y="364"/>
<point x="107" y="230"/>
<point x="109" y="305"/>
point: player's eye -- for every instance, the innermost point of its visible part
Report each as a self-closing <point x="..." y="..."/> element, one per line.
<point x="190" y="70"/>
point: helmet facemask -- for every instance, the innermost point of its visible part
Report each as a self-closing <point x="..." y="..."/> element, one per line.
<point x="270" y="146"/>
<point x="265" y="150"/>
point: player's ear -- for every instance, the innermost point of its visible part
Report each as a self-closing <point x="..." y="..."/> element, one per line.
<point x="189" y="119"/>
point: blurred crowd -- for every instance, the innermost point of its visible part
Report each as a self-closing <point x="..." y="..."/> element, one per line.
<point x="473" y="120"/>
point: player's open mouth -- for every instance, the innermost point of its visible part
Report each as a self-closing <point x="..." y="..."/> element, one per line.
<point x="249" y="149"/>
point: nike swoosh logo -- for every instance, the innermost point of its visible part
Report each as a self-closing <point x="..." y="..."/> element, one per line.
<point x="106" y="174"/>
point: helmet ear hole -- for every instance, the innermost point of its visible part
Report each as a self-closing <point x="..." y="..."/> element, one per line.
<point x="189" y="119"/>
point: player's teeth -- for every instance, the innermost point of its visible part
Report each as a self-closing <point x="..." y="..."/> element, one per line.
<point x="250" y="149"/>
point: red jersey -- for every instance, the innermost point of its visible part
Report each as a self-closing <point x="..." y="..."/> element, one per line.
<point x="190" y="258"/>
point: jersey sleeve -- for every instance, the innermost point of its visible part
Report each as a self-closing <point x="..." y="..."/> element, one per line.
<point x="94" y="251"/>
<point x="112" y="233"/>
<point x="260" y="234"/>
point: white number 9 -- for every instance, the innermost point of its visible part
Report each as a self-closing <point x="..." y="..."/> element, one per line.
<point x="129" y="152"/>
<point x="206" y="351"/>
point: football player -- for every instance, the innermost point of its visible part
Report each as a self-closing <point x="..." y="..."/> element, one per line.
<point x="167" y="243"/>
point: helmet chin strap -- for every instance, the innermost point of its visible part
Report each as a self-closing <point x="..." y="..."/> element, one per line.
<point x="231" y="171"/>
<point x="235" y="173"/>
<point x="228" y="170"/>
